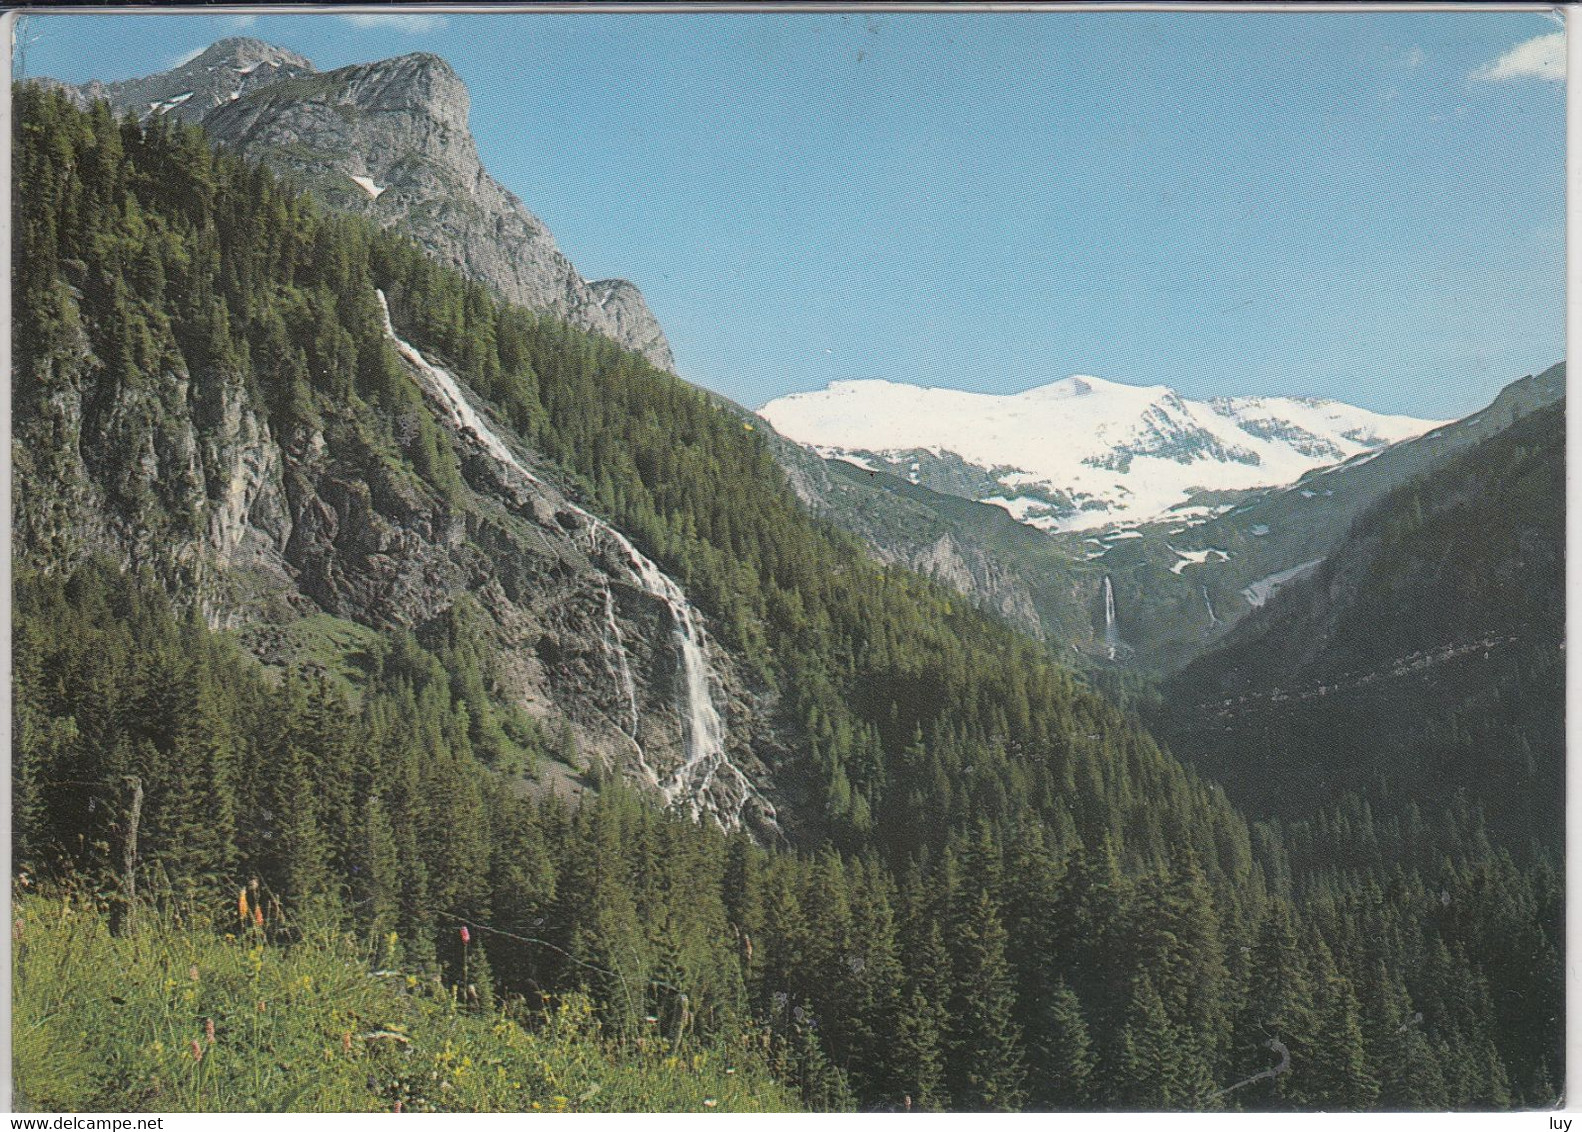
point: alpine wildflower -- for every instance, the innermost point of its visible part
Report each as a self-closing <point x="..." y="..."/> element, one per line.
<point x="208" y="1030"/>
<point x="197" y="1050"/>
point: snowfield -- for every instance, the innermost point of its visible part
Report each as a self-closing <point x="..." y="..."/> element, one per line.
<point x="1196" y="558"/>
<point x="1121" y="453"/>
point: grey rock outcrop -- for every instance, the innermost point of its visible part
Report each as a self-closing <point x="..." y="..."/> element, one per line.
<point x="630" y="320"/>
<point x="256" y="527"/>
<point x="389" y="141"/>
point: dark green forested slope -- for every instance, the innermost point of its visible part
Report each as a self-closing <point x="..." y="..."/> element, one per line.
<point x="1021" y="899"/>
<point x="1403" y="708"/>
<point x="1420" y="669"/>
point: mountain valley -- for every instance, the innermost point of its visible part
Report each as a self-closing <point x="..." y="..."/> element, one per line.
<point x="1085" y="749"/>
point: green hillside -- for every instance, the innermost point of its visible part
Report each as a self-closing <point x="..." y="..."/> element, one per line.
<point x="200" y="1013"/>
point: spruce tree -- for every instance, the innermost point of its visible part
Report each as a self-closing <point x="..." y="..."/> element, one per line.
<point x="984" y="1063"/>
<point x="1064" y="1078"/>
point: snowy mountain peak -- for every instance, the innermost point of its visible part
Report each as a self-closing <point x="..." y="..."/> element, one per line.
<point x="1082" y="452"/>
<point x="1077" y="385"/>
<point x="245" y="54"/>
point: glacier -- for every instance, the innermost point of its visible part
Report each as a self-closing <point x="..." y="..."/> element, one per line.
<point x="1104" y="452"/>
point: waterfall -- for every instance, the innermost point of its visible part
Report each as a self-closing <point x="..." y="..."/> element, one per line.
<point x="705" y="731"/>
<point x="1209" y="605"/>
<point x="620" y="667"/>
<point x="706" y="763"/>
<point x="1112" y="639"/>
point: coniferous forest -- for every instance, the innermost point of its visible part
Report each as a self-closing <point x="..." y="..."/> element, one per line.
<point x="1000" y="891"/>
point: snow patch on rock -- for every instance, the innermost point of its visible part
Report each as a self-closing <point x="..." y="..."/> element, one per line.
<point x="368" y="185"/>
<point x="1196" y="558"/>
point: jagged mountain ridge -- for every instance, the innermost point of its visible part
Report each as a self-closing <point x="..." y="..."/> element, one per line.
<point x="222" y="73"/>
<point x="1081" y="453"/>
<point x="389" y="141"/>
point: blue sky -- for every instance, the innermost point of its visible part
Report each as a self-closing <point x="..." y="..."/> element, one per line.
<point x="1356" y="205"/>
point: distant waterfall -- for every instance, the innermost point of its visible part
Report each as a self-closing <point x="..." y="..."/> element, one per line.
<point x="1209" y="605"/>
<point x="1112" y="640"/>
<point x="706" y="762"/>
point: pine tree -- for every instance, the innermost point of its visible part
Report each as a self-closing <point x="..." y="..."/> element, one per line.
<point x="916" y="1063"/>
<point x="1147" y="1075"/>
<point x="1277" y="1005"/>
<point x="800" y="1061"/>
<point x="874" y="983"/>
<point x="1398" y="1049"/>
<point x="920" y="1060"/>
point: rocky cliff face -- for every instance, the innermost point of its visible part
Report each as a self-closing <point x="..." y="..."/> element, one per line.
<point x="183" y="477"/>
<point x="389" y="141"/>
<point x="631" y="323"/>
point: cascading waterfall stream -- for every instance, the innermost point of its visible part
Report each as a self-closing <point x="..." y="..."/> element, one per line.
<point x="621" y="671"/>
<point x="1112" y="640"/>
<point x="705" y="761"/>
<point x="1209" y="605"/>
<point x="705" y="730"/>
